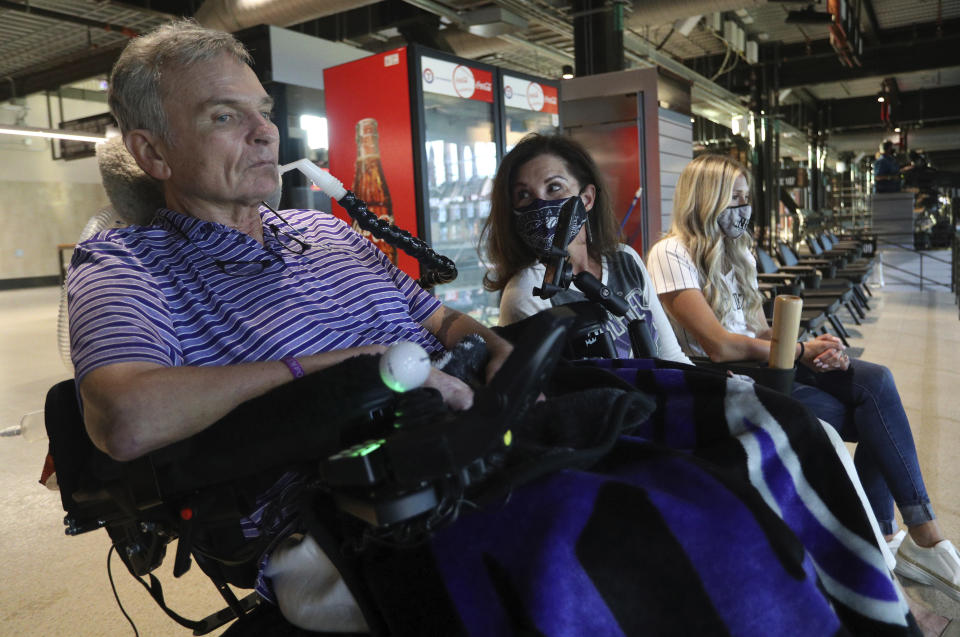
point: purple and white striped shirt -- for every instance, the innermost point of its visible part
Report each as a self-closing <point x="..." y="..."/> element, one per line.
<point x="155" y="294"/>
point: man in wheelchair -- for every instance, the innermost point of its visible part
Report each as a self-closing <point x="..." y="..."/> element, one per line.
<point x="221" y="299"/>
<point x="229" y="343"/>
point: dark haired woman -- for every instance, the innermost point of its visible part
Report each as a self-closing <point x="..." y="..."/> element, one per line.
<point x="533" y="180"/>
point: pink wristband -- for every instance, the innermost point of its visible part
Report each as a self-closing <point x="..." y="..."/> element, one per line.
<point x="294" y="366"/>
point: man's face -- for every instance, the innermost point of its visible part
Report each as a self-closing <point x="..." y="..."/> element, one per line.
<point x="223" y="144"/>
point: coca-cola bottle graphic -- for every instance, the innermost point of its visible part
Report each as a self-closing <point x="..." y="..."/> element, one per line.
<point x="369" y="183"/>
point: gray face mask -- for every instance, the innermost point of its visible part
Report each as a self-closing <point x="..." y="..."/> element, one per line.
<point x="733" y="220"/>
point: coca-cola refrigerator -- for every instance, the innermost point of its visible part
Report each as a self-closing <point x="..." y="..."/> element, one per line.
<point x="418" y="134"/>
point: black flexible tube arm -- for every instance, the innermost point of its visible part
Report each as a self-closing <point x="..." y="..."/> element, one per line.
<point x="437" y="268"/>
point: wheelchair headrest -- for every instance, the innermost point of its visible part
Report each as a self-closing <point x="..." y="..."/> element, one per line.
<point x="134" y="195"/>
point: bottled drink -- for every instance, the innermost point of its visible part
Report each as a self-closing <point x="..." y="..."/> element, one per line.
<point x="369" y="183"/>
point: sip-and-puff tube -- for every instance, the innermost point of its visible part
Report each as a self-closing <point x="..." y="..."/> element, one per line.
<point x="324" y="180"/>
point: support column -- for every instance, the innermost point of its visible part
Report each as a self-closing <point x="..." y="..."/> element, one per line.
<point x="760" y="155"/>
<point x="597" y="37"/>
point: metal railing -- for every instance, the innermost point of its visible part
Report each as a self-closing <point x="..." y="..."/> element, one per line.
<point x="883" y="243"/>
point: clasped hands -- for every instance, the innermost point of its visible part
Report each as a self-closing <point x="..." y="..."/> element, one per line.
<point x="825" y="353"/>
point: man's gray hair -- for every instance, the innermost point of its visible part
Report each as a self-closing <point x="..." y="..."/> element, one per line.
<point x="136" y="90"/>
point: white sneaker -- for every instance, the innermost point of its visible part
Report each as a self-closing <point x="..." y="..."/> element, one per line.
<point x="937" y="566"/>
<point x="894" y="542"/>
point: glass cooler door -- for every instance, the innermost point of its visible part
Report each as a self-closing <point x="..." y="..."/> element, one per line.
<point x="459" y="133"/>
<point x="529" y="106"/>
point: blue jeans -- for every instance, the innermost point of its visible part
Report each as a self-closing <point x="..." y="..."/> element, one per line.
<point x="863" y="405"/>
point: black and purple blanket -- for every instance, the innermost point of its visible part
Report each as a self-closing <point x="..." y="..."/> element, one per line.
<point x="726" y="512"/>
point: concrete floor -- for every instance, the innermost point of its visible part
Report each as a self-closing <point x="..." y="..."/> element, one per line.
<point x="56" y="585"/>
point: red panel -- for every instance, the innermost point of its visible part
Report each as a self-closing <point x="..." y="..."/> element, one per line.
<point x="550" y="101"/>
<point x="614" y="147"/>
<point x="375" y="87"/>
<point x="482" y="83"/>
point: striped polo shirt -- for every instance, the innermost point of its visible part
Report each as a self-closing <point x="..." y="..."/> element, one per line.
<point x="184" y="291"/>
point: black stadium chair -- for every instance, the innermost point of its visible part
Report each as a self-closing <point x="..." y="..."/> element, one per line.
<point x="820" y="300"/>
<point x="856" y="281"/>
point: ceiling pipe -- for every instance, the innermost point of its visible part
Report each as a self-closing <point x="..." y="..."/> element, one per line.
<point x="233" y="15"/>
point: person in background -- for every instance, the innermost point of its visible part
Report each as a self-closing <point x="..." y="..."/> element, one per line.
<point x="706" y="278"/>
<point x="886" y="170"/>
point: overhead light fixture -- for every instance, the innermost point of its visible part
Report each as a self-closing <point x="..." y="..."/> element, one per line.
<point x="492" y="21"/>
<point x="896" y="130"/>
<point x="567" y="72"/>
<point x="808" y="16"/>
<point x="881" y="99"/>
<point x="29" y="131"/>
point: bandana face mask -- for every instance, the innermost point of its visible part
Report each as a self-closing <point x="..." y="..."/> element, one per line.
<point x="537" y="223"/>
<point x="733" y="220"/>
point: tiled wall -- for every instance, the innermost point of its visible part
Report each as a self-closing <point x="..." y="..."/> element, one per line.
<point x="43" y="202"/>
<point x="36" y="217"/>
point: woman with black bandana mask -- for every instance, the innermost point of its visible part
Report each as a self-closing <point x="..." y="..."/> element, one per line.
<point x="533" y="181"/>
<point x="706" y="278"/>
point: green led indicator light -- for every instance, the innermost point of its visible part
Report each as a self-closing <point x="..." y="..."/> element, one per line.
<point x="368" y="448"/>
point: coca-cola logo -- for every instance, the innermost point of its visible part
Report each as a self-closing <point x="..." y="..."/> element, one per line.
<point x="485" y="86"/>
<point x="463" y="81"/>
<point x="428" y="76"/>
<point x="535" y="96"/>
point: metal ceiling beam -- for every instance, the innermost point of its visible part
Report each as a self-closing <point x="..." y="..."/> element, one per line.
<point x="705" y="93"/>
<point x="62" y="72"/>
<point x="703" y="89"/>
<point x="867" y="6"/>
<point x="561" y="56"/>
<point x="927" y="108"/>
<point x="149" y="7"/>
<point x="546" y="50"/>
<point x="882" y="61"/>
<point x="902" y="50"/>
<point x="67" y="17"/>
<point x="915" y="48"/>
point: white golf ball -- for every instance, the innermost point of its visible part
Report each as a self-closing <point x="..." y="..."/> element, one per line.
<point x="404" y="366"/>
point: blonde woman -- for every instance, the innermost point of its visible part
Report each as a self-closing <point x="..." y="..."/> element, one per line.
<point x="706" y="279"/>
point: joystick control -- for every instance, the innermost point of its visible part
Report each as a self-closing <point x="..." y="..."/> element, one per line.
<point x="404" y="366"/>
